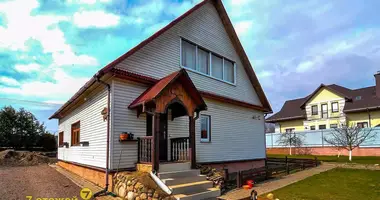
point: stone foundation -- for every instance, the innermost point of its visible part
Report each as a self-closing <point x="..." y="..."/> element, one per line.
<point x="137" y="186"/>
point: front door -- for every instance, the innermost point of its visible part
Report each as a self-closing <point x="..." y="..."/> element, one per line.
<point x="163" y="149"/>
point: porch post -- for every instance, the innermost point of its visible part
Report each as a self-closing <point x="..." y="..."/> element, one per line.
<point x="192" y="141"/>
<point x="156" y="142"/>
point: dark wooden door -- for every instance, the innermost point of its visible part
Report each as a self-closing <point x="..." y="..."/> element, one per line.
<point x="163" y="149"/>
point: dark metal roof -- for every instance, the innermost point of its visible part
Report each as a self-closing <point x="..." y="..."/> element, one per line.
<point x="294" y="109"/>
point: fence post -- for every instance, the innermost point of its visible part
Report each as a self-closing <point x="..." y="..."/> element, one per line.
<point x="287" y="164"/>
<point x="238" y="179"/>
<point x="316" y="161"/>
<point x="138" y="150"/>
<point x="322" y="139"/>
<point x="266" y="169"/>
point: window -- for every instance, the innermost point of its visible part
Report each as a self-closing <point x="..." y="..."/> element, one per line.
<point x="289" y="130"/>
<point x="207" y="63"/>
<point x="229" y="74"/>
<point x="358" y="97"/>
<point x="314" y="110"/>
<point x="362" y="124"/>
<point x="217" y="66"/>
<point x="312" y="128"/>
<point x="333" y="125"/>
<point x="75" y="134"/>
<point x="188" y="55"/>
<point x="205" y="128"/>
<point x="334" y="107"/>
<point x="324" y="110"/>
<point x="60" y="139"/>
<point x="321" y="127"/>
<point x="204" y="61"/>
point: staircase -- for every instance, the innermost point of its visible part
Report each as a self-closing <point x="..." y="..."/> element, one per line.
<point x="187" y="183"/>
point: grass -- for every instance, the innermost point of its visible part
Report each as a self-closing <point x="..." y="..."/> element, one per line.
<point x="336" y="184"/>
<point x="341" y="159"/>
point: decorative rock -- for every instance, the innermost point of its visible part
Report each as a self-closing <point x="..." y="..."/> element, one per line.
<point x="156" y="195"/>
<point x="137" y="198"/>
<point x="130" y="188"/>
<point x="131" y="196"/>
<point x="122" y="192"/>
<point x="143" y="196"/>
<point x="129" y="183"/>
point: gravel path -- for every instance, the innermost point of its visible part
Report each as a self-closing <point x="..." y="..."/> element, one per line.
<point x="39" y="181"/>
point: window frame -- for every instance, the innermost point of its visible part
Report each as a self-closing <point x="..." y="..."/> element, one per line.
<point x="362" y="123"/>
<point x="292" y="130"/>
<point x="327" y="111"/>
<point x="208" y="139"/>
<point x="332" y="107"/>
<point x="312" y="113"/>
<point x="336" y="126"/>
<point x="75" y="143"/>
<point x="319" y="127"/>
<point x="61" y="138"/>
<point x="210" y="64"/>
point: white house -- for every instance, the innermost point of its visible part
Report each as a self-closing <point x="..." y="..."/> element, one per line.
<point x="188" y="94"/>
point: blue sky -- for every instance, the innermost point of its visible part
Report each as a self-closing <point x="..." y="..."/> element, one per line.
<point x="50" y="48"/>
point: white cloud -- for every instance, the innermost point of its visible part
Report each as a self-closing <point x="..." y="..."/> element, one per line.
<point x="70" y="59"/>
<point x="90" y="2"/>
<point x="22" y="26"/>
<point x="28" y="67"/>
<point x="243" y="27"/>
<point x="97" y="19"/>
<point x="9" y="81"/>
<point x="64" y="86"/>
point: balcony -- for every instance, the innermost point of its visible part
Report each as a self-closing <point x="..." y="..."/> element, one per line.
<point x="327" y="115"/>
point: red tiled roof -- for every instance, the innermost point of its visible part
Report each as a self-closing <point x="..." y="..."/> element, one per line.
<point x="151" y="93"/>
<point x="356" y="100"/>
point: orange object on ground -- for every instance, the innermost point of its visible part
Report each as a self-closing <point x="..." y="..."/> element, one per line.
<point x="247" y="187"/>
<point x="250" y="183"/>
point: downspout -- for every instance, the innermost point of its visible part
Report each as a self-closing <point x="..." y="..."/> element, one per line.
<point x="105" y="190"/>
<point x="369" y="118"/>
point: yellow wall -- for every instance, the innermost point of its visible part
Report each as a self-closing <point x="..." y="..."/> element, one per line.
<point x="296" y="124"/>
<point x="323" y="122"/>
<point x="354" y="118"/>
<point x="323" y="96"/>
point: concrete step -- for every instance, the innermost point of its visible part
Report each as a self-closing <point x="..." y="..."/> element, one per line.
<point x="179" y="174"/>
<point x="169" y="167"/>
<point x="189" y="179"/>
<point x="210" y="193"/>
<point x="191" y="188"/>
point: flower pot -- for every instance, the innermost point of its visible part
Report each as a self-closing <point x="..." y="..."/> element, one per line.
<point x="123" y="136"/>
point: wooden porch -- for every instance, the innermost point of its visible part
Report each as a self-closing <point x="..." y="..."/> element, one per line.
<point x="176" y="93"/>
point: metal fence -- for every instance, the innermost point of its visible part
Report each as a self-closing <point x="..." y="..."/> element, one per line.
<point x="315" y="139"/>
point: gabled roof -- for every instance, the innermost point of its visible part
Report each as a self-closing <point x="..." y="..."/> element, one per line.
<point x="231" y="33"/>
<point x="339" y="90"/>
<point x="154" y="91"/>
<point x="357" y="100"/>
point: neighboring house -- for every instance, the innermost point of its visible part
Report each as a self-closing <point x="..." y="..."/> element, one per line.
<point x="330" y="106"/>
<point x="188" y="94"/>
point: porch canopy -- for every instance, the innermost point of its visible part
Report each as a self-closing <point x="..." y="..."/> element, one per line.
<point x="177" y="93"/>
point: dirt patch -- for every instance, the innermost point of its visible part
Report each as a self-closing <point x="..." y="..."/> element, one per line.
<point x="23" y="158"/>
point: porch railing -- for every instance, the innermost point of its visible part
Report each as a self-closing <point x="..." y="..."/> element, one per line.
<point x="179" y="149"/>
<point x="144" y="149"/>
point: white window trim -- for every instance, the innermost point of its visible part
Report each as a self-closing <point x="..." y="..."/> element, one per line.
<point x="210" y="65"/>
<point x="208" y="139"/>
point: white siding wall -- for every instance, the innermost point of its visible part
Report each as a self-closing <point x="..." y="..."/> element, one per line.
<point x="234" y="134"/>
<point x="204" y="27"/>
<point x="125" y="120"/>
<point x="92" y="129"/>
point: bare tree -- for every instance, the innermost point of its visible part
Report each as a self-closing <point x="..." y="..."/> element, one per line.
<point x="269" y="128"/>
<point x="349" y="137"/>
<point x="291" y="139"/>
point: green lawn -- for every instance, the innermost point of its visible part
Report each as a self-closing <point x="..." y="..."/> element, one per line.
<point x="341" y="159"/>
<point x="336" y="184"/>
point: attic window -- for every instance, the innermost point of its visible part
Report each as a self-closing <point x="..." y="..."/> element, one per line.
<point x="358" y="97"/>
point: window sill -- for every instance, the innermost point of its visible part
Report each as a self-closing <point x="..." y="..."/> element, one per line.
<point x="209" y="76"/>
<point x="205" y="141"/>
